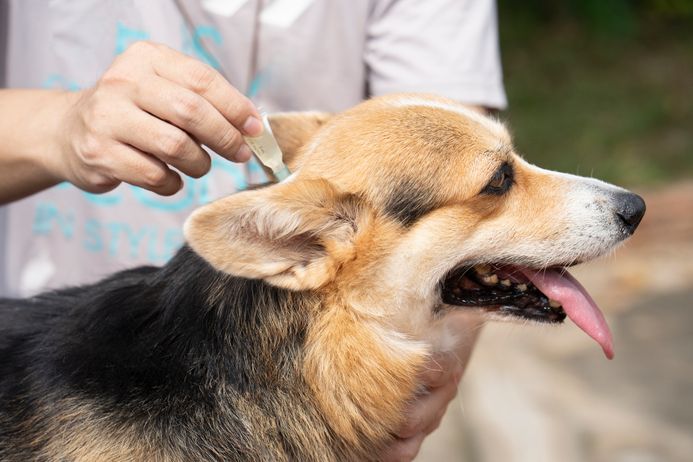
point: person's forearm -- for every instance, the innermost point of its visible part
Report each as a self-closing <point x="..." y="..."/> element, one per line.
<point x="29" y="126"/>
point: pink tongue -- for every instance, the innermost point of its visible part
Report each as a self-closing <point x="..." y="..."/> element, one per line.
<point x="577" y="304"/>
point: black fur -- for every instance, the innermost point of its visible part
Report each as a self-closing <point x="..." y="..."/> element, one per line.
<point x="158" y="350"/>
<point x="409" y="202"/>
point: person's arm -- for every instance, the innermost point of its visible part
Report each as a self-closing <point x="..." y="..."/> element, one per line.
<point x="29" y="122"/>
<point x="150" y="111"/>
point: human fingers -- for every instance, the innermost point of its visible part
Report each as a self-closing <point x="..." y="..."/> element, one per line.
<point x="210" y="84"/>
<point x="164" y="141"/>
<point x="427" y="408"/>
<point x="403" y="450"/>
<point x="440" y="369"/>
<point x="193" y="114"/>
<point x="130" y="165"/>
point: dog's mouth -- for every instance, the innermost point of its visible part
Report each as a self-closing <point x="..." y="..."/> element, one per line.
<point x="546" y="296"/>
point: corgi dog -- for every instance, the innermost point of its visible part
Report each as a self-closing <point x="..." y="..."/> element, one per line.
<point x="293" y="323"/>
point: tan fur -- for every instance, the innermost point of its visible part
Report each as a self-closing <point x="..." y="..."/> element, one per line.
<point x="293" y="129"/>
<point x="77" y="433"/>
<point x="288" y="235"/>
<point x="385" y="200"/>
<point x="360" y="378"/>
<point x="377" y="280"/>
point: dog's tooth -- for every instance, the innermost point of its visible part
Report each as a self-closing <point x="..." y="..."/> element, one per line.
<point x="490" y="280"/>
<point x="521" y="287"/>
<point x="554" y="304"/>
<point x="506" y="282"/>
<point x="483" y="269"/>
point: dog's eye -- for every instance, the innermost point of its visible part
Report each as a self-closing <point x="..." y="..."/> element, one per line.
<point x="500" y="182"/>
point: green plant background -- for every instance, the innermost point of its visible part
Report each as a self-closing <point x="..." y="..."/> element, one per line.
<point x="601" y="87"/>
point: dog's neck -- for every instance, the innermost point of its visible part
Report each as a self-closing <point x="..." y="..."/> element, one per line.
<point x="248" y="326"/>
<point x="257" y="340"/>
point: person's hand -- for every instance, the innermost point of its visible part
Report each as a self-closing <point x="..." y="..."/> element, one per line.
<point x="441" y="377"/>
<point x="150" y="111"/>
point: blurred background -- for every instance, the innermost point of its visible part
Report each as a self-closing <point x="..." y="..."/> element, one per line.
<point x="601" y="88"/>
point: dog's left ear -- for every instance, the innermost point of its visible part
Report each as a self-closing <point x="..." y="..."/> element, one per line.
<point x="294" y="235"/>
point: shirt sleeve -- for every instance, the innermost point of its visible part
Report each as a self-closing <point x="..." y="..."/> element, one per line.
<point x="448" y="47"/>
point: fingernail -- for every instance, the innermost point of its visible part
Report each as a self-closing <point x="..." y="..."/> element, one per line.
<point x="252" y="126"/>
<point x="243" y="154"/>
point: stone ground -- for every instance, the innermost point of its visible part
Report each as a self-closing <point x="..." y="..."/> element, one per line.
<point x="544" y="394"/>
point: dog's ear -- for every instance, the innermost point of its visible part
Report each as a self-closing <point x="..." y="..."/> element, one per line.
<point x="294" y="235"/>
<point x="293" y="130"/>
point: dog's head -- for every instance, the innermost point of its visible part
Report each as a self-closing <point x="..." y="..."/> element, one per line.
<point x="406" y="206"/>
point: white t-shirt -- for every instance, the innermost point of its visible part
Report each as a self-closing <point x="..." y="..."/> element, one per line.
<point x="312" y="55"/>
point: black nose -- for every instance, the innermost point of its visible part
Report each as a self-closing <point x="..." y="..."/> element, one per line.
<point x="630" y="209"/>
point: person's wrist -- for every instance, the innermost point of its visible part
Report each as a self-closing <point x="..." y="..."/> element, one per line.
<point x="52" y="154"/>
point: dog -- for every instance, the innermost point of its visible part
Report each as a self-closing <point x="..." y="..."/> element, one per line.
<point x="293" y="323"/>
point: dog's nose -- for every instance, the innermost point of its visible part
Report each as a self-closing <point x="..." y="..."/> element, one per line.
<point x="630" y="209"/>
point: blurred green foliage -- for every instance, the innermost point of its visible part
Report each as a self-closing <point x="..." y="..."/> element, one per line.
<point x="601" y="87"/>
